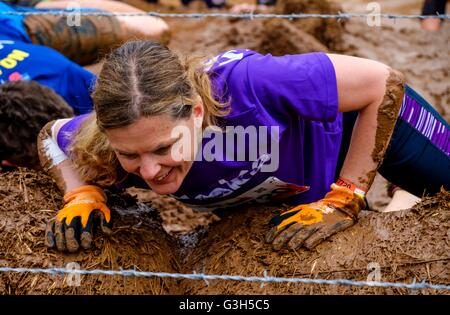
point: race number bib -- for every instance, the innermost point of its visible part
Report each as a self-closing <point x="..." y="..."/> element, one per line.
<point x="269" y="190"/>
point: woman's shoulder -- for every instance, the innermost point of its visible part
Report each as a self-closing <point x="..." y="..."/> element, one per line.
<point x="238" y="65"/>
<point x="226" y="59"/>
<point x="70" y="124"/>
<point x="64" y="129"/>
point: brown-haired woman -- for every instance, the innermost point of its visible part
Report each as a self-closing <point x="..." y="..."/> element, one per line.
<point x="244" y="127"/>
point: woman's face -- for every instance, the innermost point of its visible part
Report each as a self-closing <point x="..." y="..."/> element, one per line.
<point x="159" y="149"/>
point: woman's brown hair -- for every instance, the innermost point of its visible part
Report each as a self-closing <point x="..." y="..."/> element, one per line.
<point x="139" y="79"/>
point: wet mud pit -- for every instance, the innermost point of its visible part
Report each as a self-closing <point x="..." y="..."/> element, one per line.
<point x="160" y="234"/>
<point x="28" y="200"/>
<point x="406" y="245"/>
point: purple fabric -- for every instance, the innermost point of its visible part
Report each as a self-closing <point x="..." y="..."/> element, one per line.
<point x="67" y="131"/>
<point x="296" y="94"/>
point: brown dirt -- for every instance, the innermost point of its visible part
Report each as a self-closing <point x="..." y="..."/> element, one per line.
<point x="176" y="218"/>
<point x="407" y="245"/>
<point x="422" y="56"/>
<point x="210" y="36"/>
<point x="328" y="32"/>
<point x="278" y="37"/>
<point x="29" y="200"/>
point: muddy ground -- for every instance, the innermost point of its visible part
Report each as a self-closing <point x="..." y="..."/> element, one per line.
<point x="159" y="234"/>
<point x="406" y="245"/>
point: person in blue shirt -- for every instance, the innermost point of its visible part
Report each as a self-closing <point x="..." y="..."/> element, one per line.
<point x="82" y="38"/>
<point x="37" y="85"/>
<point x="22" y="61"/>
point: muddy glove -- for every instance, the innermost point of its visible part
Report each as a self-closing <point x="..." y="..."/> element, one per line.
<point x="84" y="207"/>
<point x="310" y="224"/>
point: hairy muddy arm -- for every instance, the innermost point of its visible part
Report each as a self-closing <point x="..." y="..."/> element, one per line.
<point x="84" y="205"/>
<point x="376" y="91"/>
<point x="144" y="27"/>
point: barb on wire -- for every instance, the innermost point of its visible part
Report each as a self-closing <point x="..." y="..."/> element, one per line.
<point x="205" y="277"/>
<point x="251" y="15"/>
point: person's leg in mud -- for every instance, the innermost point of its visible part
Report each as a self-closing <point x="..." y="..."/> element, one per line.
<point x="400" y="199"/>
<point x="91" y="37"/>
<point x="418" y="156"/>
<point x="433" y="7"/>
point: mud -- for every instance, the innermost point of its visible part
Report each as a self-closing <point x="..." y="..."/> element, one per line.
<point x="386" y="119"/>
<point x="209" y="36"/>
<point x="327" y="31"/>
<point x="177" y="219"/>
<point x="407" y="245"/>
<point x="28" y="201"/>
<point x="422" y="56"/>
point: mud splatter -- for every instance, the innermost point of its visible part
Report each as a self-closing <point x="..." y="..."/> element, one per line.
<point x="388" y="113"/>
<point x="386" y="119"/>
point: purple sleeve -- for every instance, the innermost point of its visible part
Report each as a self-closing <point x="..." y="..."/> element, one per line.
<point x="67" y="131"/>
<point x="304" y="85"/>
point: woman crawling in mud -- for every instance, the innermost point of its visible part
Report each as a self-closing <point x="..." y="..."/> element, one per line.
<point x="308" y="130"/>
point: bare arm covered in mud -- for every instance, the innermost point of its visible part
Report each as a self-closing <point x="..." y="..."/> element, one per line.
<point x="376" y="91"/>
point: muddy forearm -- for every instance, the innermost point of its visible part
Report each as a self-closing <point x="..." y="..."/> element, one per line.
<point x="55" y="162"/>
<point x="131" y="27"/>
<point x="372" y="133"/>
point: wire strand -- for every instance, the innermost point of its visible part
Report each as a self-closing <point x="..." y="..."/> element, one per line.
<point x="251" y="15"/>
<point x="206" y="277"/>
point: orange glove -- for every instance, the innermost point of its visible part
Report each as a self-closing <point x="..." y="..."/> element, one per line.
<point x="312" y="223"/>
<point x="73" y="224"/>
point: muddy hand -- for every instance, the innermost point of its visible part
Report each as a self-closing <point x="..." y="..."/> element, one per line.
<point x="73" y="225"/>
<point x="310" y="224"/>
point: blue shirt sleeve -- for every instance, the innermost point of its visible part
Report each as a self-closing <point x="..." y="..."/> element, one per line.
<point x="79" y="86"/>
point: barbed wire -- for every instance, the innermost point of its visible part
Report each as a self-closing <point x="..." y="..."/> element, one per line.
<point x="251" y="15"/>
<point x="206" y="277"/>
